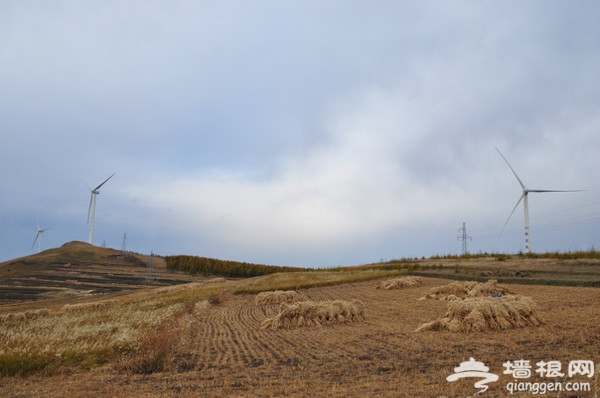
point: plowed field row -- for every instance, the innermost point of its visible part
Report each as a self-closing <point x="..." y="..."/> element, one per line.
<point x="229" y="339"/>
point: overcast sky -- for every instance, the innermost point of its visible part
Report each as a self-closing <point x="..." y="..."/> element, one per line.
<point x="303" y="133"/>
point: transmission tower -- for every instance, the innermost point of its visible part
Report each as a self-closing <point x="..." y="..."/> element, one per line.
<point x="464" y="237"/>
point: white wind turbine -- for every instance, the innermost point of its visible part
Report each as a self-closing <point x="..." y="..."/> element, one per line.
<point x="523" y="197"/>
<point x="39" y="234"/>
<point x="92" y="209"/>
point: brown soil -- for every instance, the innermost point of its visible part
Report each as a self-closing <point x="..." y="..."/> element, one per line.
<point x="228" y="354"/>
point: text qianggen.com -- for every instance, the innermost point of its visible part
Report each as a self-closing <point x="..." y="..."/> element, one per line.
<point x="545" y="387"/>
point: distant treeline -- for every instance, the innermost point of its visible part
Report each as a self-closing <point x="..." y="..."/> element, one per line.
<point x="213" y="267"/>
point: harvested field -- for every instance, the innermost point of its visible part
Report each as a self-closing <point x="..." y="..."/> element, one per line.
<point x="463" y="290"/>
<point x="226" y="353"/>
<point x="483" y="314"/>
<point x="276" y="297"/>
<point x="310" y="313"/>
<point x="399" y="283"/>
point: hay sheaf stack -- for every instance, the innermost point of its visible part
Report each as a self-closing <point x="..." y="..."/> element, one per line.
<point x="23" y="316"/>
<point x="481" y="314"/>
<point x="310" y="313"/>
<point x="462" y="290"/>
<point x="399" y="283"/>
<point x="276" y="297"/>
<point x="480" y="307"/>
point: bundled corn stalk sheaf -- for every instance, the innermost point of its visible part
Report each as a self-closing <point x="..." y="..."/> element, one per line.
<point x="399" y="283"/>
<point x="310" y="313"/>
<point x="480" y="314"/>
<point x="88" y="306"/>
<point x="461" y="290"/>
<point x="215" y="280"/>
<point x="276" y="297"/>
<point x="23" y="316"/>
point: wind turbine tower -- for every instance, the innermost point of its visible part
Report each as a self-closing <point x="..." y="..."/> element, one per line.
<point x="92" y="209"/>
<point x="39" y="234"/>
<point x="524" y="198"/>
<point x="124" y="245"/>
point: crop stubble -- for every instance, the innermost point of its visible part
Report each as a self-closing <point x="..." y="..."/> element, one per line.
<point x="229" y="354"/>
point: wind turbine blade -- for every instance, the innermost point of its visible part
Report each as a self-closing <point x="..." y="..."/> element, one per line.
<point x="513" y="210"/>
<point x="104" y="182"/>
<point x="555" y="190"/>
<point x="35" y="240"/>
<point x="513" y="170"/>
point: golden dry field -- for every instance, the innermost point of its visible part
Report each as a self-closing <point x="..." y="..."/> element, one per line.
<point x="203" y="340"/>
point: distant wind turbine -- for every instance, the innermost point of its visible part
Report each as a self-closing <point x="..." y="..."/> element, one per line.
<point x="39" y="234"/>
<point x="92" y="209"/>
<point x="523" y="197"/>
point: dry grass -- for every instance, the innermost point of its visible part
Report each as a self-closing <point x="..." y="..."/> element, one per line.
<point x="276" y="297"/>
<point x="87" y="334"/>
<point x="463" y="290"/>
<point x="309" y="313"/>
<point x="399" y="283"/>
<point x="222" y="351"/>
<point x="483" y="314"/>
<point x="91" y="335"/>
<point x="299" y="280"/>
<point x="156" y="350"/>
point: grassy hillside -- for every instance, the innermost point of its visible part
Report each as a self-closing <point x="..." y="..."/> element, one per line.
<point x="70" y="253"/>
<point x="83" y="272"/>
<point x="80" y="271"/>
<point x="560" y="269"/>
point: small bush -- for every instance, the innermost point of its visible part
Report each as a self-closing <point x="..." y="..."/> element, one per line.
<point x="20" y="365"/>
<point x="157" y="349"/>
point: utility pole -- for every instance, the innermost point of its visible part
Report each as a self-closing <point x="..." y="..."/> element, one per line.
<point x="463" y="235"/>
